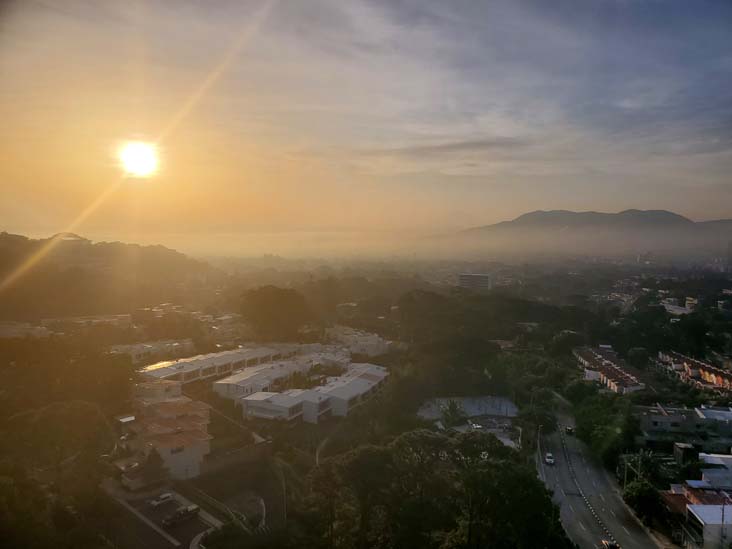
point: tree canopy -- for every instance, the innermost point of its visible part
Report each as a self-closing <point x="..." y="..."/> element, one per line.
<point x="275" y="313"/>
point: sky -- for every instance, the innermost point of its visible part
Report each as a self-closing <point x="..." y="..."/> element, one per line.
<point x="294" y="123"/>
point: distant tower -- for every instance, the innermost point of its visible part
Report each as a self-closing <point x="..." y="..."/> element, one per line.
<point x="475" y="282"/>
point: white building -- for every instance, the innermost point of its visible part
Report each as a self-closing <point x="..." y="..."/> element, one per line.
<point x="248" y="381"/>
<point x="708" y="526"/>
<point x="305" y="404"/>
<point x="355" y="386"/>
<point x="359" y="342"/>
<point x="338" y="397"/>
<point x="217" y="364"/>
<point x="171" y="424"/>
<point x="475" y="282"/>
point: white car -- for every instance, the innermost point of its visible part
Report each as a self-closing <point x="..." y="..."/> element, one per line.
<point x="549" y="458"/>
<point x="161" y="499"/>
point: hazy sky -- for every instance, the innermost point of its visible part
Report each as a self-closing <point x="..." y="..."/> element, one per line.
<point x="367" y="116"/>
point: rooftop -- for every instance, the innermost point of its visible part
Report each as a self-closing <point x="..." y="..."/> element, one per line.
<point x="211" y="359"/>
<point x="711" y="514"/>
<point x="719" y="414"/>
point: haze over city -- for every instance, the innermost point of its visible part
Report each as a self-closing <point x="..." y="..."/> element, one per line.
<point x="365" y="274"/>
<point x="327" y="127"/>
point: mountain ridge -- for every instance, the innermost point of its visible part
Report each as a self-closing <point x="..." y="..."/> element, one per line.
<point x="624" y="233"/>
<point x="570" y="217"/>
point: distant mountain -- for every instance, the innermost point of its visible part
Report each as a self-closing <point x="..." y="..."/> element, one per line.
<point x="598" y="233"/>
<point x="76" y="276"/>
<point x="566" y="218"/>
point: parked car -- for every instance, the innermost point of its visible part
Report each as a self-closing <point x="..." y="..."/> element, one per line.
<point x="569" y="430"/>
<point x="607" y="544"/>
<point x="549" y="458"/>
<point x="161" y="499"/>
<point x="181" y="515"/>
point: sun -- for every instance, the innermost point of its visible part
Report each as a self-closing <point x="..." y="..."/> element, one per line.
<point x="138" y="159"/>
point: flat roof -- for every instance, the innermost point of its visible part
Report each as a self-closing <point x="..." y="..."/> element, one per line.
<point x="211" y="359"/>
<point x="273" y="370"/>
<point x="711" y="514"/>
<point x="261" y="395"/>
<point x="724" y="460"/>
<point x="719" y="414"/>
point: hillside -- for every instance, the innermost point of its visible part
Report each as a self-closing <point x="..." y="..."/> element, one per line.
<point x="597" y="233"/>
<point x="81" y="277"/>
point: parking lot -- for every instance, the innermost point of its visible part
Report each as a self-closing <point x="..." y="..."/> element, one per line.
<point x="176" y="535"/>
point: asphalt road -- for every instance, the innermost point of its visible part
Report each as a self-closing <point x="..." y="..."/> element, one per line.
<point x="593" y="490"/>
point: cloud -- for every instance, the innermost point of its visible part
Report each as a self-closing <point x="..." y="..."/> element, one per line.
<point x="471" y="146"/>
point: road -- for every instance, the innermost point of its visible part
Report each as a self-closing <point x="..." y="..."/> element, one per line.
<point x="580" y="487"/>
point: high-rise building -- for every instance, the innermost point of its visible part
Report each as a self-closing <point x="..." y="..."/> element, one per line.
<point x="476" y="282"/>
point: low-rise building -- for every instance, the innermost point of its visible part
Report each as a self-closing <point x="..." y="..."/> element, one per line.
<point x="696" y="372"/>
<point x="337" y="397"/>
<point x="708" y="526"/>
<point x="213" y="365"/>
<point x="706" y="428"/>
<point x="355" y="386"/>
<point x="603" y="364"/>
<point x="359" y="342"/>
<point x="253" y="379"/>
<point x="170" y="424"/>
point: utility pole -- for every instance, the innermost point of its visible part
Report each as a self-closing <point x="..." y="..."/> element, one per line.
<point x="521" y="432"/>
<point x="723" y="529"/>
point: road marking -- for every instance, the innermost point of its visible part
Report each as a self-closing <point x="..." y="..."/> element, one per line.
<point x="594" y="484"/>
<point x="613" y="512"/>
<point x="583" y="526"/>
<point x="601" y="497"/>
<point x="564" y="493"/>
<point x="626" y="530"/>
<point x="571" y="508"/>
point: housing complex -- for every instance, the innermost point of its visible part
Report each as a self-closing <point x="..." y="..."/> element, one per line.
<point x="603" y="365"/>
<point x="701" y="509"/>
<point x="695" y="372"/>
<point x="169" y="423"/>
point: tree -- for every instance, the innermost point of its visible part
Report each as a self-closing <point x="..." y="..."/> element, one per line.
<point x="275" y="313"/>
<point x="644" y="499"/>
<point x="367" y="470"/>
<point x="453" y="414"/>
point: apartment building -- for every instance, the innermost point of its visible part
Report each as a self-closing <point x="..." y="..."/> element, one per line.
<point x="475" y="281"/>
